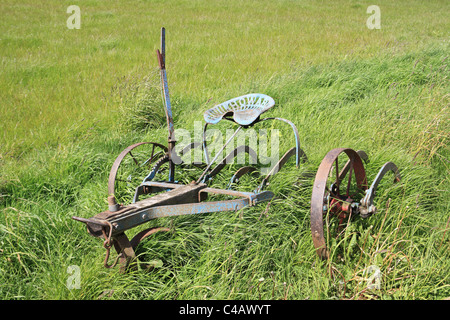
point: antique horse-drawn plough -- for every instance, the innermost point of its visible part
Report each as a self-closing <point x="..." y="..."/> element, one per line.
<point x="169" y="198"/>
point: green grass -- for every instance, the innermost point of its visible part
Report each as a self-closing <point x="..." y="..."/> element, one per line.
<point x="72" y="100"/>
<point x="51" y="76"/>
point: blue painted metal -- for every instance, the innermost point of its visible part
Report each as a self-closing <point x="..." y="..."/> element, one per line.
<point x="132" y="216"/>
<point x="244" y="109"/>
<point x="366" y="207"/>
<point x="178" y="199"/>
<point x="167" y="105"/>
<point x="218" y="154"/>
<point x="299" y="154"/>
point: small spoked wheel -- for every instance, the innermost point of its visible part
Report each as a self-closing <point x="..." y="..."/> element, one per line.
<point x="131" y="167"/>
<point x="340" y="181"/>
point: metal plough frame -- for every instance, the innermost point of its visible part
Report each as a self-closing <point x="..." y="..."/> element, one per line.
<point x="174" y="199"/>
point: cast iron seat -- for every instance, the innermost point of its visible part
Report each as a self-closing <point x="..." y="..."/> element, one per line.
<point x="244" y="110"/>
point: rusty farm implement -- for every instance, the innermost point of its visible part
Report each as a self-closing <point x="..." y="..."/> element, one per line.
<point x="173" y="198"/>
<point x="169" y="198"/>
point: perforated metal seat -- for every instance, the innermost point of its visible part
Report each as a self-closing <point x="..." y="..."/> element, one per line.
<point x="244" y="109"/>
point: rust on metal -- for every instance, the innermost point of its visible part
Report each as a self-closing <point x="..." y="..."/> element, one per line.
<point x="119" y="159"/>
<point x="327" y="200"/>
<point x="332" y="197"/>
<point x="321" y="189"/>
<point x="169" y="198"/>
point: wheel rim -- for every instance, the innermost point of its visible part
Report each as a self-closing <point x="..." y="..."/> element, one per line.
<point x="333" y="192"/>
<point x="131" y="167"/>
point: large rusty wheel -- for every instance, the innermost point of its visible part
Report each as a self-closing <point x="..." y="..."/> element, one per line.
<point x="339" y="180"/>
<point x="130" y="168"/>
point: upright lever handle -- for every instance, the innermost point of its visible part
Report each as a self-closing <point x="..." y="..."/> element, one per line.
<point x="161" y="55"/>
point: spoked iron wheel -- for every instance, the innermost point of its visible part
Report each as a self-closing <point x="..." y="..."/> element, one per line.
<point x="340" y="179"/>
<point x="130" y="168"/>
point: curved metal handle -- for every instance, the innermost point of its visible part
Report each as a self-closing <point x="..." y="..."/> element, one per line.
<point x="367" y="207"/>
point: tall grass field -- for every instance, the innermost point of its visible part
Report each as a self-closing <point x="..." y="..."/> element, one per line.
<point x="71" y="99"/>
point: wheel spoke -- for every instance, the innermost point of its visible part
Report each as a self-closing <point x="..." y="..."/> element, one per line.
<point x="337" y="175"/>
<point x="131" y="163"/>
<point x="349" y="178"/>
<point x="134" y="159"/>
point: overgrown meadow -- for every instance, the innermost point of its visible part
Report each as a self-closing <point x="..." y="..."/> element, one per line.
<point x="73" y="99"/>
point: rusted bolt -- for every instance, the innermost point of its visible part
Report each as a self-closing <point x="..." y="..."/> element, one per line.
<point x="112" y="204"/>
